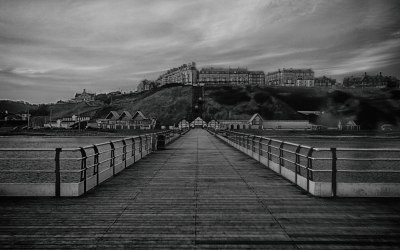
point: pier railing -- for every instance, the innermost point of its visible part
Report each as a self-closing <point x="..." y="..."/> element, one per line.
<point x="71" y="171"/>
<point x="325" y="172"/>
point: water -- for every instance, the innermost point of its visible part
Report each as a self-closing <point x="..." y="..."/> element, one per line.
<point x="344" y="141"/>
<point x="50" y="141"/>
<point x="353" y="166"/>
<point x="31" y="166"/>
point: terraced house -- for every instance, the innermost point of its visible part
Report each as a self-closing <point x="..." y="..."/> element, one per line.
<point x="230" y="76"/>
<point x="185" y="74"/>
<point x="291" y="78"/>
<point x="126" y="120"/>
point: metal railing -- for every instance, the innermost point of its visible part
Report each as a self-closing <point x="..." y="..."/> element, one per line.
<point x="323" y="164"/>
<point x="75" y="165"/>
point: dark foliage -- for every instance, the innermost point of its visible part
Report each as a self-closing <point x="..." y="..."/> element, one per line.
<point x="42" y="110"/>
<point x="339" y="96"/>
<point x="230" y="96"/>
<point x="395" y="94"/>
<point x="261" y="97"/>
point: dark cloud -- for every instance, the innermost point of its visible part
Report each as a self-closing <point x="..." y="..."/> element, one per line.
<point x="61" y="47"/>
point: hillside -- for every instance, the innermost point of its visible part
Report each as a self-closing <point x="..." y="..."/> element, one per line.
<point x="170" y="104"/>
<point x="240" y="103"/>
<point x="15" y="106"/>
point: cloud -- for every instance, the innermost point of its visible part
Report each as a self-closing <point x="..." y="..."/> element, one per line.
<point x="56" y="47"/>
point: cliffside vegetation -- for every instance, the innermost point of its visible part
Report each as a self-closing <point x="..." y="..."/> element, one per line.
<point x="170" y="104"/>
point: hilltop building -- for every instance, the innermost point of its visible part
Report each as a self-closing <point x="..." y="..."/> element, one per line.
<point x="83" y="97"/>
<point x="291" y="78"/>
<point x="324" y="82"/>
<point x="146" y="85"/>
<point x="230" y="76"/>
<point x="185" y="74"/>
<point x="377" y="81"/>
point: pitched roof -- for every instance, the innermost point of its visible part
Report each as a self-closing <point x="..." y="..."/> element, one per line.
<point x="254" y="116"/>
<point x="139" y="113"/>
<point x="113" y="115"/>
<point x="125" y="115"/>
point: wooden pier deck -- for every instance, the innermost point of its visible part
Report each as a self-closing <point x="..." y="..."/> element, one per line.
<point x="199" y="193"/>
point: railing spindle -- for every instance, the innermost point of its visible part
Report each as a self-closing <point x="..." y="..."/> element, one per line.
<point x="309" y="166"/>
<point x="334" y="171"/>
<point x="112" y="157"/>
<point x="124" y="151"/>
<point x="57" y="172"/>
<point x="83" y="168"/>
<point x="96" y="164"/>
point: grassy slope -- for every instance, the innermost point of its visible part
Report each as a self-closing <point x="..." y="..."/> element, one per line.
<point x="168" y="105"/>
<point x="15" y="107"/>
<point x="241" y="103"/>
<point x="171" y="104"/>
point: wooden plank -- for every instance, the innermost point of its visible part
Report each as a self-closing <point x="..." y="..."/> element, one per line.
<point x="199" y="193"/>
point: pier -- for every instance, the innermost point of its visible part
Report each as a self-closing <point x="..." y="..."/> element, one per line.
<point x="199" y="193"/>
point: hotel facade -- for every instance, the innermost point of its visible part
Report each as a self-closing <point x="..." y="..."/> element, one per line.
<point x="291" y="78"/>
<point x="185" y="74"/>
<point x="230" y="76"/>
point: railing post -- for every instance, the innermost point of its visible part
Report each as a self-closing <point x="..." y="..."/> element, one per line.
<point x="140" y="147"/>
<point x="269" y="151"/>
<point x="124" y="151"/>
<point x="281" y="161"/>
<point x="83" y="168"/>
<point x="260" y="148"/>
<point x="133" y="149"/>
<point x="112" y="157"/>
<point x="96" y="163"/>
<point x="309" y="166"/>
<point x="297" y="164"/>
<point x="145" y="144"/>
<point x="253" y="144"/>
<point x="57" y="172"/>
<point x="334" y="171"/>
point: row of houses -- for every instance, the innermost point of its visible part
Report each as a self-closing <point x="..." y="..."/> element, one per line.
<point x="187" y="74"/>
<point x="126" y="120"/>
<point x="257" y="122"/>
<point x="67" y="122"/>
<point x="113" y="120"/>
<point x="376" y="81"/>
<point x="8" y="116"/>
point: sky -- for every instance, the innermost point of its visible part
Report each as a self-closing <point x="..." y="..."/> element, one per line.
<point x="51" y="49"/>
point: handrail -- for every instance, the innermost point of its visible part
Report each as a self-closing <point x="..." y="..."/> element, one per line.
<point x="90" y="156"/>
<point x="277" y="151"/>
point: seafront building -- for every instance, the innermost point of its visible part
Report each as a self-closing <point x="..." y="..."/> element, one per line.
<point x="125" y="120"/>
<point x="183" y="124"/>
<point x="255" y="122"/>
<point x="290" y="78"/>
<point x="66" y="122"/>
<point x="198" y="123"/>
